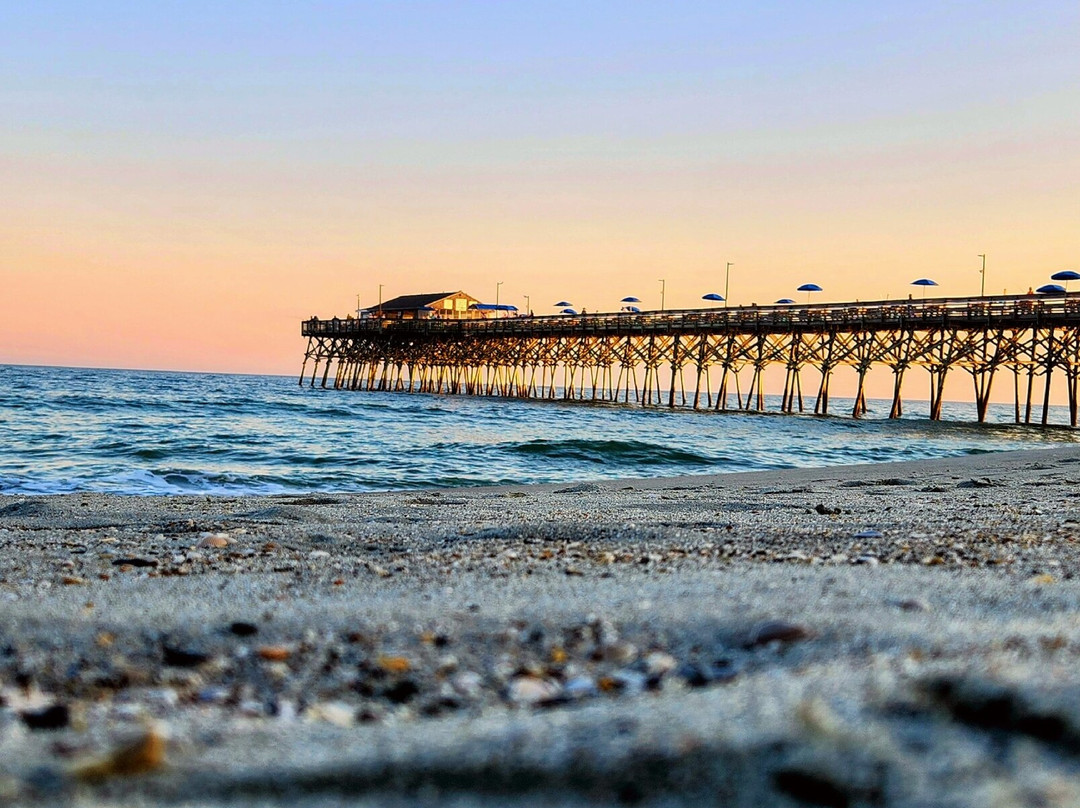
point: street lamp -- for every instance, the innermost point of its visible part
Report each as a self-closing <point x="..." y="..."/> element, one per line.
<point x="497" y="285"/>
<point x="982" y="288"/>
<point x="727" y="280"/>
<point x="380" y="299"/>
<point x="358" y="306"/>
<point x="663" y="288"/>
<point x="528" y="308"/>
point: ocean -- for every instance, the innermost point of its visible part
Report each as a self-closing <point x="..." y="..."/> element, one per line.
<point x="67" y="430"/>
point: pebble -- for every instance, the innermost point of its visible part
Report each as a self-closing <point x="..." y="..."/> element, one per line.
<point x="780" y="631"/>
<point x="141" y="756"/>
<point x="217" y="541"/>
<point x="621" y="653"/>
<point x="659" y="663"/>
<point x="181" y="657"/>
<point x="333" y="712"/>
<point x="274" y="653"/>
<point x="251" y="709"/>
<point x="243" y="629"/>
<point x="57" y="716"/>
<point x="134" y="562"/>
<point x="467" y="684"/>
<point x="531" y="690"/>
<point x="868" y="560"/>
<point x="627" y="681"/>
<point x="911" y="605"/>
<point x="580" y="687"/>
<point x="395" y="664"/>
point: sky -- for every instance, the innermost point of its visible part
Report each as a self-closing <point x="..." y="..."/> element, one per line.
<point x="182" y="182"/>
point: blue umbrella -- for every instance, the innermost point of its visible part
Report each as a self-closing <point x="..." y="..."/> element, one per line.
<point x="924" y="282"/>
<point x="562" y="304"/>
<point x="635" y="300"/>
<point x="713" y="296"/>
<point x="632" y="309"/>
<point x="784" y="301"/>
<point x="1051" y="289"/>
<point x="567" y="311"/>
<point x="808" y="288"/>
<point x="1066" y="275"/>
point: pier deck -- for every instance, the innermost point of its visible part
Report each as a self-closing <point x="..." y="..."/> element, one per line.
<point x="645" y="358"/>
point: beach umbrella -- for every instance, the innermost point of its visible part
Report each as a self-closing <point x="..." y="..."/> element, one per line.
<point x="568" y="311"/>
<point x="713" y="296"/>
<point x="1066" y="275"/>
<point x="1051" y="289"/>
<point x="924" y="282"/>
<point x="631" y="309"/>
<point x="784" y="301"/>
<point x="635" y="300"/>
<point x="808" y="288"/>
<point x="562" y="304"/>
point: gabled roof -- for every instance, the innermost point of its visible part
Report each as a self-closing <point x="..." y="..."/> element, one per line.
<point x="412" y="302"/>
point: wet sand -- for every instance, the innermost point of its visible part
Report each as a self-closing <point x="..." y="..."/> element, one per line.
<point x="900" y="634"/>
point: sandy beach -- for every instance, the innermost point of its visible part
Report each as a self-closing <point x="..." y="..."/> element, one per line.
<point x="899" y="634"/>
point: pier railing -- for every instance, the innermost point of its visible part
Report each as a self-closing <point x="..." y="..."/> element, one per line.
<point x="642" y="357"/>
<point x="1007" y="310"/>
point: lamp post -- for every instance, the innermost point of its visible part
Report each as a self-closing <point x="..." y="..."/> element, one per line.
<point x="982" y="287"/>
<point x="528" y="308"/>
<point x="380" y="299"/>
<point x="663" y="289"/>
<point x="497" y="285"/>
<point x="357" y="305"/>
<point x="727" y="280"/>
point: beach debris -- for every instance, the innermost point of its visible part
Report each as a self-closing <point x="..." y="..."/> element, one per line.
<point x="869" y="533"/>
<point x="141" y="756"/>
<point x="56" y="716"/>
<point x="242" y="628"/>
<point x="134" y="562"/>
<point x="886" y="481"/>
<point x="580" y="488"/>
<point x="778" y="631"/>
<point x="825" y="510"/>
<point x="979" y="482"/>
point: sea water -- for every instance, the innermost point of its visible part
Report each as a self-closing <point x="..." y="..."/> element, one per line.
<point x="136" y="432"/>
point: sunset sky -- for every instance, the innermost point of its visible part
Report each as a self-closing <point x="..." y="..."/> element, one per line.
<point x="182" y="182"/>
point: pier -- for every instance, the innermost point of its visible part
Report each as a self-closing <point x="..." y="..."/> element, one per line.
<point x="716" y="358"/>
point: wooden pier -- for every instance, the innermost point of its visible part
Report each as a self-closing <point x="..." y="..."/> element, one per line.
<point x="715" y="358"/>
